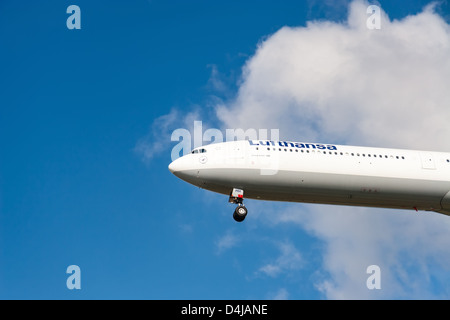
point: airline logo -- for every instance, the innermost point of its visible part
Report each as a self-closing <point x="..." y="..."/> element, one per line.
<point x="292" y="144"/>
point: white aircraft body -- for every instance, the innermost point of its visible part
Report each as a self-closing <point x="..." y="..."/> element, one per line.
<point x="319" y="173"/>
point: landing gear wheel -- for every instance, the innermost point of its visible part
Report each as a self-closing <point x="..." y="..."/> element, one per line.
<point x="240" y="213"/>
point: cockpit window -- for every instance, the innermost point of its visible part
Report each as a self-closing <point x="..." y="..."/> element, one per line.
<point x="199" y="151"/>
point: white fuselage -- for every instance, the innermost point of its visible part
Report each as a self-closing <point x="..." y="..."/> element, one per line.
<point x="320" y="173"/>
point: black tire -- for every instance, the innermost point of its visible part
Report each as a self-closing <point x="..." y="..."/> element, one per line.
<point x="240" y="213"/>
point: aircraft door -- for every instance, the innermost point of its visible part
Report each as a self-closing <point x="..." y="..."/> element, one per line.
<point x="427" y="161"/>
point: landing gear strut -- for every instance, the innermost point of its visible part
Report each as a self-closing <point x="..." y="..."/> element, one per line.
<point x="237" y="196"/>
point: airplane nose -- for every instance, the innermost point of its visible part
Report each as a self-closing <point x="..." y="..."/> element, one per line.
<point x="180" y="165"/>
<point x="185" y="169"/>
<point x="174" y="166"/>
<point x="189" y="168"/>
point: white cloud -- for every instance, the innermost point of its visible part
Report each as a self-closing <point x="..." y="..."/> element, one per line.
<point x="288" y="260"/>
<point x="149" y="146"/>
<point x="408" y="247"/>
<point x="331" y="82"/>
<point x="226" y="242"/>
<point x="281" y="294"/>
<point x="216" y="81"/>
<point x="346" y="82"/>
<point x="158" y="140"/>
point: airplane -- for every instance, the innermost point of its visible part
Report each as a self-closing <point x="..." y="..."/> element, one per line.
<point x="319" y="173"/>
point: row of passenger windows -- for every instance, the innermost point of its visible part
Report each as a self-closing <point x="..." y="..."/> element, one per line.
<point x="353" y="154"/>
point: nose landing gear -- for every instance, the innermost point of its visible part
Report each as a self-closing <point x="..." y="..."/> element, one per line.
<point x="237" y="196"/>
<point x="240" y="213"/>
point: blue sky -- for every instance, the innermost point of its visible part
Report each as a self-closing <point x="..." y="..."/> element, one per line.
<point x="73" y="189"/>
